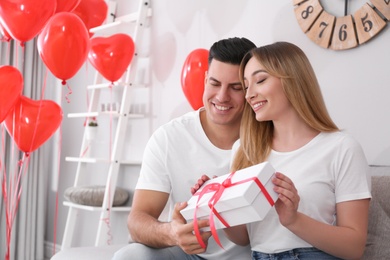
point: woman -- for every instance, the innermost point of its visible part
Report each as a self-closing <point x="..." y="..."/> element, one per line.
<point x="322" y="173"/>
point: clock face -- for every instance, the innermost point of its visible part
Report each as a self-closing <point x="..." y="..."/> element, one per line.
<point x="343" y="31"/>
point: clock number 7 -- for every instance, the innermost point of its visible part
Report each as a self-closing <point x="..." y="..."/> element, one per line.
<point x="324" y="25"/>
<point x="367" y="24"/>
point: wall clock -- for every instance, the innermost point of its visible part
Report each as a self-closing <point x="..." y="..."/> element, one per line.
<point x="341" y="33"/>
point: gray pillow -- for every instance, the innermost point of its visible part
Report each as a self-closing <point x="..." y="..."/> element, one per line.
<point x="379" y="220"/>
<point x="93" y="195"/>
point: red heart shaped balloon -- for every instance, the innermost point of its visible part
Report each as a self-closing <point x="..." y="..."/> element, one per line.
<point x="193" y="75"/>
<point x="32" y="122"/>
<point x="11" y="85"/>
<point x="63" y="45"/>
<point x="111" y="55"/>
<point x="24" y="19"/>
<point x="66" y="5"/>
<point x="92" y="12"/>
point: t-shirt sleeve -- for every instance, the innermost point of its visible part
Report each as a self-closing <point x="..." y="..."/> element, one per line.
<point x="353" y="181"/>
<point x="153" y="174"/>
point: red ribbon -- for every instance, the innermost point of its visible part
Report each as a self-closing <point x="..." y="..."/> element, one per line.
<point x="218" y="189"/>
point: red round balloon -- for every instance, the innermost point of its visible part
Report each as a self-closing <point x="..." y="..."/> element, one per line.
<point x="92" y="12"/>
<point x="24" y="19"/>
<point x="11" y="85"/>
<point x="66" y="5"/>
<point x="193" y="75"/>
<point x="63" y="45"/>
<point x="111" y="55"/>
<point x="32" y="123"/>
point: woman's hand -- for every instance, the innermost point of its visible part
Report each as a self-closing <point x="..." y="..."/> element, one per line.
<point x="199" y="184"/>
<point x="288" y="200"/>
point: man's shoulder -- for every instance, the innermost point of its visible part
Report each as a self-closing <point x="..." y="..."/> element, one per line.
<point x="190" y="118"/>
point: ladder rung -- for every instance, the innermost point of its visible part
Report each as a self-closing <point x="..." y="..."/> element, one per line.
<point x="108" y="113"/>
<point x="91" y="208"/>
<point x="116" y="84"/>
<point x="100" y="160"/>
<point x="130" y="18"/>
<point x="106" y="85"/>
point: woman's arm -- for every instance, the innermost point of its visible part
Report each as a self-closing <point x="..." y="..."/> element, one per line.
<point x="345" y="240"/>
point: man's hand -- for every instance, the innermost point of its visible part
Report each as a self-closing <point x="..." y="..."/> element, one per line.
<point x="183" y="232"/>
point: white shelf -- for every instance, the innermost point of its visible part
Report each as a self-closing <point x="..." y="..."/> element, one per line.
<point x="106" y="85"/>
<point x="96" y="114"/>
<point x="98" y="209"/>
<point x="99" y="160"/>
<point x="120" y="25"/>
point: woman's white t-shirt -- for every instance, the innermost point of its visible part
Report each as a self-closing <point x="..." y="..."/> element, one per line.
<point x="330" y="169"/>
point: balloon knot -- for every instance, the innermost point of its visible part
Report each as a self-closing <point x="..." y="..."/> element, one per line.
<point x="63" y="82"/>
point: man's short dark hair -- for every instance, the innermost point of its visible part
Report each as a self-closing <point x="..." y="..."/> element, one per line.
<point x="230" y="50"/>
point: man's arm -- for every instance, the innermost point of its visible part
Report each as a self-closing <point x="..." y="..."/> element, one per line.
<point x="145" y="228"/>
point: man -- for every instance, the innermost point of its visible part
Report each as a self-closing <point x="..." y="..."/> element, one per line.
<point x="177" y="154"/>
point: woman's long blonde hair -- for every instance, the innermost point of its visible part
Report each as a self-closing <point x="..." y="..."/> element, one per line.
<point x="289" y="63"/>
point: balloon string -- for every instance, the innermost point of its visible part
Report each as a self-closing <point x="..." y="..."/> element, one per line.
<point x="12" y="201"/>
<point x="8" y="51"/>
<point x="106" y="220"/>
<point x="57" y="197"/>
<point x="69" y="91"/>
<point x="111" y="118"/>
<point x="4" y="188"/>
<point x="39" y="111"/>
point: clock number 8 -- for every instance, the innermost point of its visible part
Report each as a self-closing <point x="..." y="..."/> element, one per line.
<point x="367" y="24"/>
<point x="305" y="14"/>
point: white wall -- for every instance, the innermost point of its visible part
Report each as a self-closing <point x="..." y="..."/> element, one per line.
<point x="355" y="82"/>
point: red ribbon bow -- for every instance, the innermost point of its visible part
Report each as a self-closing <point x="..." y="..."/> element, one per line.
<point x="218" y="189"/>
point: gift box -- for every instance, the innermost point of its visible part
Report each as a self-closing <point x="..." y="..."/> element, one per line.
<point x="233" y="199"/>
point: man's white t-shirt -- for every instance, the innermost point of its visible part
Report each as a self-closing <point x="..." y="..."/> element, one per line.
<point x="330" y="169"/>
<point x="175" y="157"/>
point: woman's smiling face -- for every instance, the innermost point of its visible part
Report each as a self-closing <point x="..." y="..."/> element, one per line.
<point x="264" y="92"/>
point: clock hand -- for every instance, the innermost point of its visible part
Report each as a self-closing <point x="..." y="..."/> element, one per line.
<point x="346" y="8"/>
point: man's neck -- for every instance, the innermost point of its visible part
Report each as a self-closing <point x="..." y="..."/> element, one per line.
<point x="222" y="136"/>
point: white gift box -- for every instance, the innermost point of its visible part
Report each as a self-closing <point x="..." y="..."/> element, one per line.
<point x="248" y="199"/>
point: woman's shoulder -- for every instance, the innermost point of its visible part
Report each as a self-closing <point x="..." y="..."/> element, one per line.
<point x="340" y="138"/>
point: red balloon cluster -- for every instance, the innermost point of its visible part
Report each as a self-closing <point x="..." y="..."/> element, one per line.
<point x="111" y="55"/>
<point x="30" y="123"/>
<point x="64" y="44"/>
<point x="62" y="27"/>
<point x="193" y="77"/>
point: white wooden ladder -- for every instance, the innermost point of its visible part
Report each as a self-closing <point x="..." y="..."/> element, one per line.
<point x="137" y="21"/>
